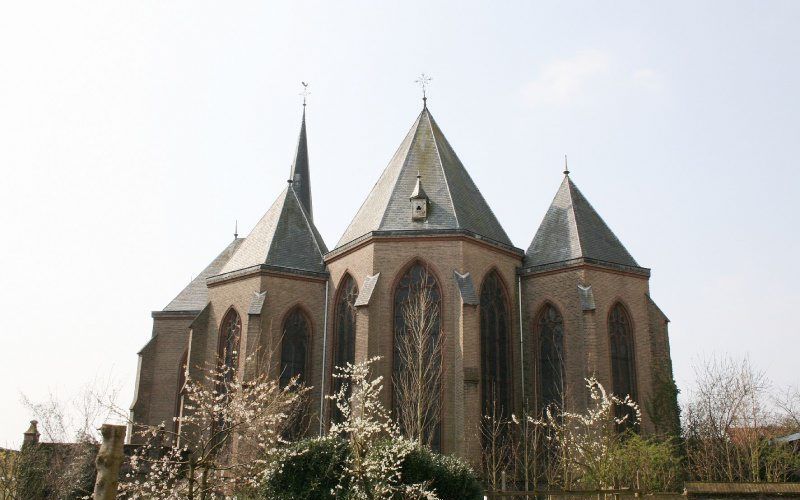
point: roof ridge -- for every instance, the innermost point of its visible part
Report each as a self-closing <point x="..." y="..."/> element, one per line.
<point x="441" y="166"/>
<point x="396" y="182"/>
<point x="310" y="224"/>
<point x="366" y="201"/>
<point x="575" y="223"/>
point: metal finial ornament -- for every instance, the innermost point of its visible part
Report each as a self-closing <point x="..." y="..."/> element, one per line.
<point x="566" y="168"/>
<point x="305" y="93"/>
<point x="423" y="81"/>
<point x="236" y="229"/>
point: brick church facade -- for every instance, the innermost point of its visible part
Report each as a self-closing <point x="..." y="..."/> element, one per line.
<point x="520" y="328"/>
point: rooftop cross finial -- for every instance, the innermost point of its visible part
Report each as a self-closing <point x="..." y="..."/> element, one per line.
<point x="423" y="81"/>
<point x="305" y="93"/>
<point x="566" y="168"/>
<point x="236" y="229"/>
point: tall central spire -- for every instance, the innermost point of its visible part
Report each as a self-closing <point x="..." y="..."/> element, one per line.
<point x="299" y="175"/>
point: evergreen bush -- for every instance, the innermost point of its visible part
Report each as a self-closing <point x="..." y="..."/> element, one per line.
<point x="309" y="469"/>
<point x="449" y="477"/>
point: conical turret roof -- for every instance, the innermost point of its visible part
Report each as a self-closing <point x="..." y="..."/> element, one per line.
<point x="572" y="229"/>
<point x="300" y="173"/>
<point x="454" y="202"/>
<point x="284" y="237"/>
<point x="195" y="296"/>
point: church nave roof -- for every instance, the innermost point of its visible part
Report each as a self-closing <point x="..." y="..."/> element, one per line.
<point x="454" y="201"/>
<point x="572" y="229"/>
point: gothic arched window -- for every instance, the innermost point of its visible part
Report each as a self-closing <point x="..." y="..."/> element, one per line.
<point x="344" y="342"/>
<point x="418" y="341"/>
<point x="495" y="344"/>
<point x="623" y="363"/>
<point x="182" y="368"/>
<point x="550" y="365"/>
<point x="294" y="346"/>
<point x="229" y="334"/>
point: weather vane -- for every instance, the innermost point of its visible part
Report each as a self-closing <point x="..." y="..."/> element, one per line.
<point x="305" y="93"/>
<point x="423" y="81"/>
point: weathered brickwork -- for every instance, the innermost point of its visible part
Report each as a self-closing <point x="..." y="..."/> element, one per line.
<point x="285" y="259"/>
<point x="391" y="257"/>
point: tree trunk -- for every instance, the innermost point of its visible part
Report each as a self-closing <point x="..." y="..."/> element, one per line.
<point x="108" y="462"/>
<point x="190" y="494"/>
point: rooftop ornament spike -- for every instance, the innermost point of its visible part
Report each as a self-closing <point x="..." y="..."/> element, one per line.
<point x="236" y="229"/>
<point x="566" y="167"/>
<point x="299" y="175"/>
<point x="423" y="81"/>
<point x="419" y="201"/>
<point x="305" y="93"/>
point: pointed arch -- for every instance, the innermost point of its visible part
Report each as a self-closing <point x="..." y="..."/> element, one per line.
<point x="623" y="354"/>
<point x="344" y="331"/>
<point x="182" y="369"/>
<point x="296" y="330"/>
<point x="495" y="338"/>
<point x="230" y="333"/>
<point x="549" y="356"/>
<point x="418" y="284"/>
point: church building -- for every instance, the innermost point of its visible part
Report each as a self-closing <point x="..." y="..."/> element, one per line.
<point x="520" y="329"/>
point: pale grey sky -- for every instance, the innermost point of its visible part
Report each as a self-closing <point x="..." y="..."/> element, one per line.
<point x="133" y="134"/>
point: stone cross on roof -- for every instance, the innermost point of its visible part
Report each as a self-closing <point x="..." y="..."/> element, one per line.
<point x="423" y="81"/>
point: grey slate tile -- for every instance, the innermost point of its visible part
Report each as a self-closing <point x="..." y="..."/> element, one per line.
<point x="572" y="229"/>
<point x="454" y="201"/>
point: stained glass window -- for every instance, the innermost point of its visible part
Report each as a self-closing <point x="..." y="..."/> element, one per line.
<point x="550" y="366"/>
<point x="229" y="335"/>
<point x="623" y="363"/>
<point x="294" y="346"/>
<point x="495" y="346"/>
<point x="344" y="343"/>
<point x="418" y="281"/>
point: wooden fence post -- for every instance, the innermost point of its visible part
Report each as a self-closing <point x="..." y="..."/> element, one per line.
<point x="108" y="462"/>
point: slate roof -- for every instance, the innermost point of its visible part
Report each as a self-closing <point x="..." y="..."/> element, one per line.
<point x="454" y="201"/>
<point x="257" y="303"/>
<point x="195" y="296"/>
<point x="284" y="237"/>
<point x="586" y="295"/>
<point x="572" y="229"/>
<point x="367" y="290"/>
<point x="466" y="288"/>
<point x="300" y="174"/>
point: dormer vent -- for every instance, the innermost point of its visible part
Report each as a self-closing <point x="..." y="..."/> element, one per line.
<point x="419" y="201"/>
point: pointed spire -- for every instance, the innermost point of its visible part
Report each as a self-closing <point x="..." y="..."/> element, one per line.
<point x="566" y="167"/>
<point x="454" y="202"/>
<point x="572" y="229"/>
<point x="418" y="193"/>
<point x="423" y="81"/>
<point x="299" y="175"/>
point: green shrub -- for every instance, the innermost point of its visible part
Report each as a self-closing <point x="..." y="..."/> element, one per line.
<point x="307" y="470"/>
<point x="312" y="468"/>
<point x="448" y="476"/>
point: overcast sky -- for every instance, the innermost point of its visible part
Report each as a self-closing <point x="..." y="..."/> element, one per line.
<point x="133" y="135"/>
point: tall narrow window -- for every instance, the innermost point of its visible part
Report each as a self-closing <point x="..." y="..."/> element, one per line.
<point x="623" y="363"/>
<point x="229" y="335"/>
<point x="182" y="367"/>
<point x="622" y="353"/>
<point x="418" y="340"/>
<point x="495" y="333"/>
<point x="550" y="343"/>
<point x="344" y="343"/>
<point x="294" y="346"/>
